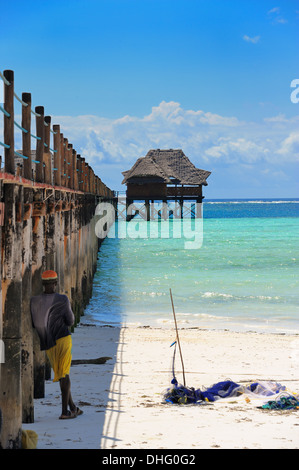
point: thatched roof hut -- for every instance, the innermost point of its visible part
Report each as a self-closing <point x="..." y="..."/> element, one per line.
<point x="160" y="168"/>
<point x="167" y="166"/>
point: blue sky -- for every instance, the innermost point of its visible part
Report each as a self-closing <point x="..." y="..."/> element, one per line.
<point x="124" y="76"/>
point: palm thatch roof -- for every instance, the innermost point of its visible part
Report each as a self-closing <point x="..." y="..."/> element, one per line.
<point x="165" y="166"/>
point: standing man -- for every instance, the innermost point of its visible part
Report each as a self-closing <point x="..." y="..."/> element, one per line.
<point x="52" y="316"/>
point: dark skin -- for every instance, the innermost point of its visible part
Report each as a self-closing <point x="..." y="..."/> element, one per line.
<point x="65" y="383"/>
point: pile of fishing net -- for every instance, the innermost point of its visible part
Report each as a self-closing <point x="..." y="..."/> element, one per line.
<point x="264" y="390"/>
<point x="283" y="403"/>
<point x="274" y="395"/>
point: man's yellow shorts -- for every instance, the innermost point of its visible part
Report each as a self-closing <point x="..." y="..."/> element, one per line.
<point x="60" y="357"/>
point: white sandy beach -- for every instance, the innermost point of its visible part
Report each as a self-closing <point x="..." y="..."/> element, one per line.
<point x="122" y="399"/>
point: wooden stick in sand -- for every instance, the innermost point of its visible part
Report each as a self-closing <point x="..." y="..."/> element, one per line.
<point x="177" y="336"/>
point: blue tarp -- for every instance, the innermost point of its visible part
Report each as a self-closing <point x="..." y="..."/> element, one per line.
<point x="179" y="394"/>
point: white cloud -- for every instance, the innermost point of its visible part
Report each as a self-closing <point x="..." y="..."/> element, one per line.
<point x="274" y="10"/>
<point x="281" y="20"/>
<point x="206" y="138"/>
<point x="232" y="149"/>
<point x="237" y="150"/>
<point x="253" y="40"/>
<point x="290" y="146"/>
<point x="281" y="118"/>
<point x="275" y="16"/>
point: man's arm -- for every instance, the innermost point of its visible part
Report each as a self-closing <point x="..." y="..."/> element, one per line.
<point x="69" y="315"/>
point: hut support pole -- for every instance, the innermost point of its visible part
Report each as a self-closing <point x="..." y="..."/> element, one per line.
<point x="147" y="210"/>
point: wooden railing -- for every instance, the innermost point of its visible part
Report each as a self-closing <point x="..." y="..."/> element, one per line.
<point x="53" y="161"/>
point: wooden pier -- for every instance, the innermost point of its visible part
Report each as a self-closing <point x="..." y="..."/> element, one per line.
<point x="48" y="197"/>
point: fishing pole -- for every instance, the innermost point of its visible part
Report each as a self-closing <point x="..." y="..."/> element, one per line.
<point x="177" y="335"/>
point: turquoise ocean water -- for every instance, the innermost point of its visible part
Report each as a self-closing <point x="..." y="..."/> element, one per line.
<point x="244" y="276"/>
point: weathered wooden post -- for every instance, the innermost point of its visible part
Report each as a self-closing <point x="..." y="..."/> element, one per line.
<point x="83" y="174"/>
<point x="59" y="252"/>
<point x="74" y="244"/>
<point x="40" y="133"/>
<point x="89" y="178"/>
<point x="38" y="266"/>
<point x="79" y="167"/>
<point x="50" y="248"/>
<point x="57" y="159"/>
<point x="27" y="333"/>
<point x="50" y="232"/>
<point x="74" y="170"/>
<point x="86" y="177"/>
<point x="93" y="181"/>
<point x="67" y="252"/>
<point x="58" y="165"/>
<point x="47" y="154"/>
<point x="101" y="188"/>
<point x="65" y="167"/>
<point x="26" y="136"/>
<point x="62" y="149"/>
<point x="10" y="385"/>
<point x="9" y="133"/>
<point x="67" y="161"/>
<point x="79" y="297"/>
<point x="70" y="166"/>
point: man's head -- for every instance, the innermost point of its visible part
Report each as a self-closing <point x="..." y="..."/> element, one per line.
<point x="49" y="280"/>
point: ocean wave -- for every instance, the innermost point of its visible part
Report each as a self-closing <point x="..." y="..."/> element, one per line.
<point x="215" y="295"/>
